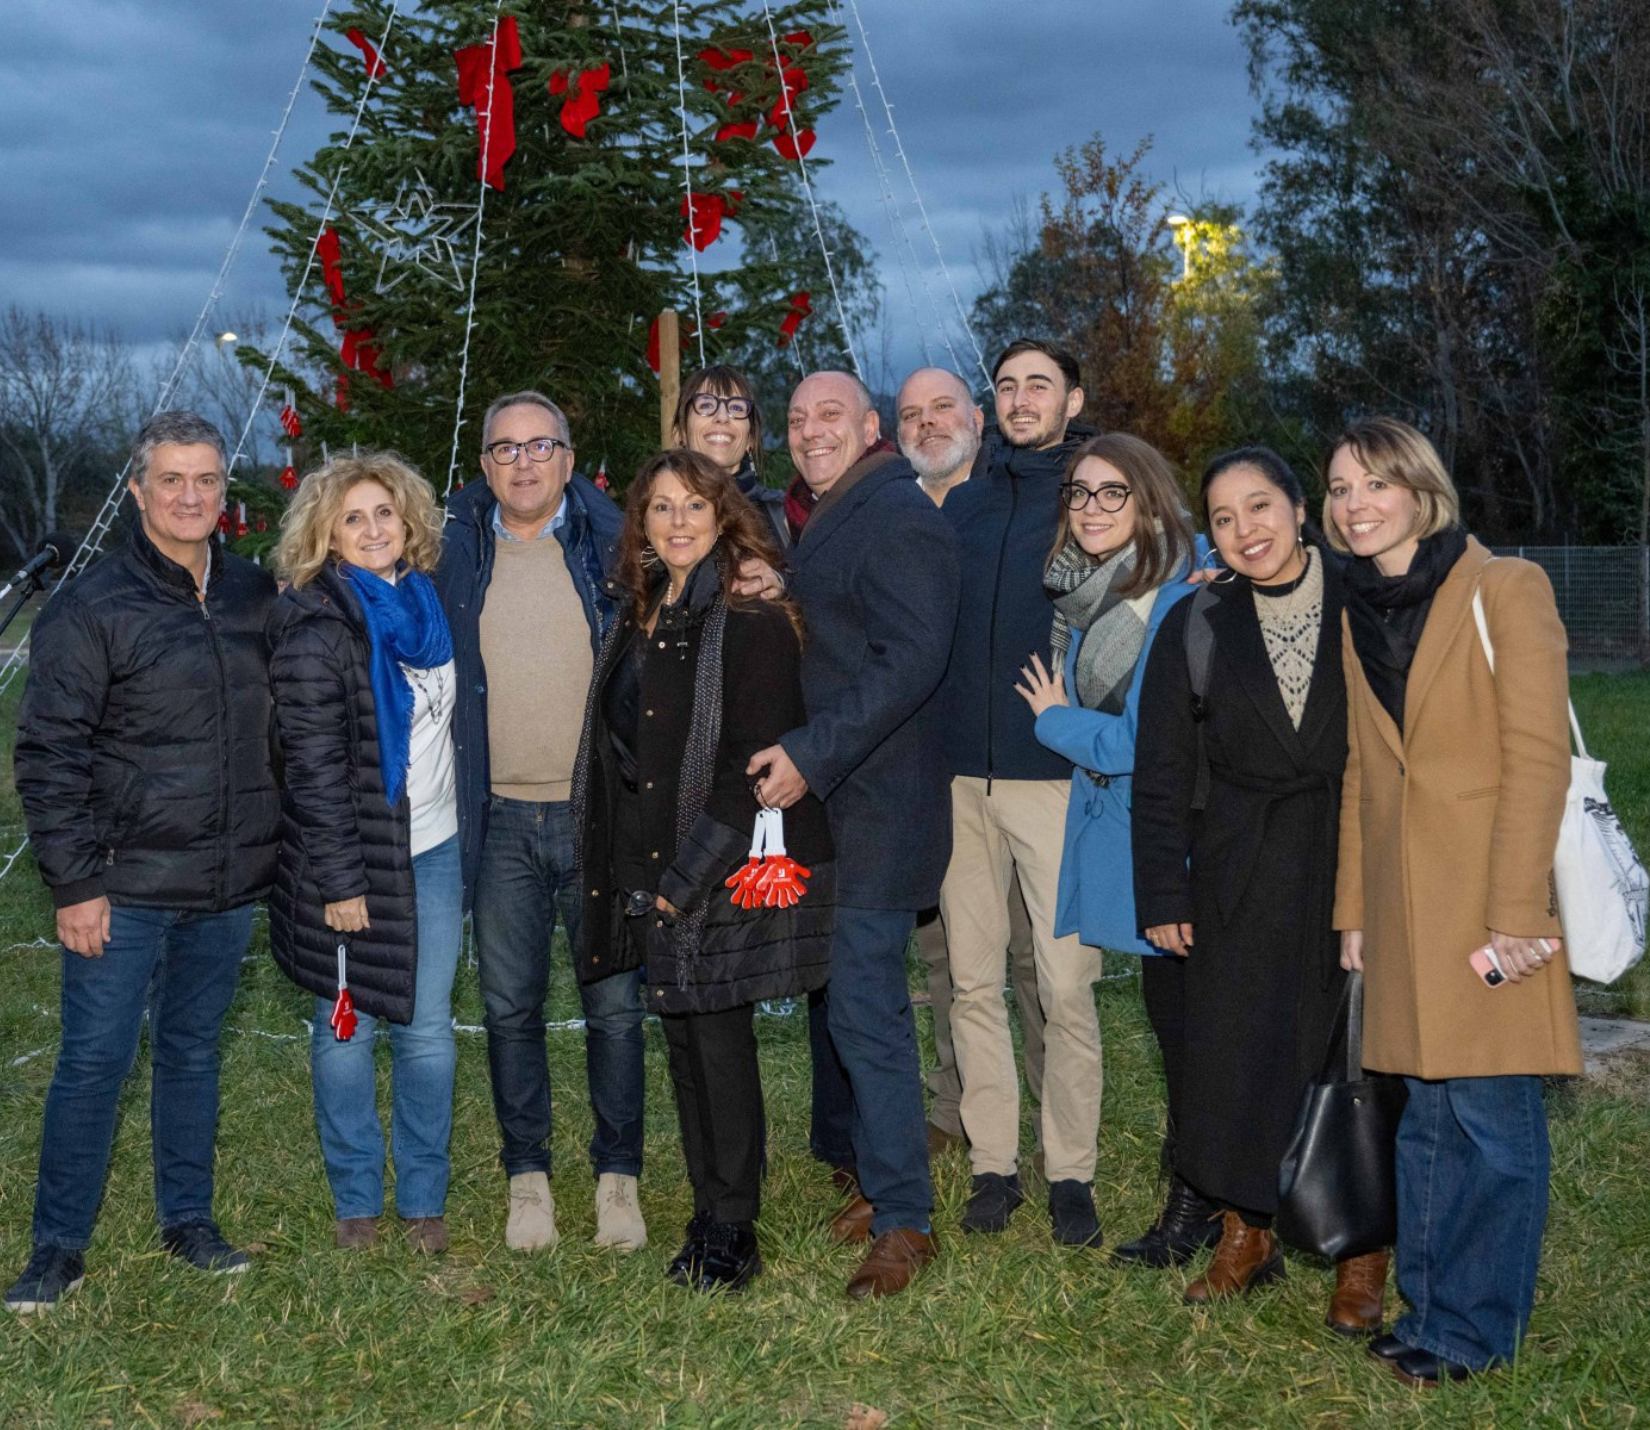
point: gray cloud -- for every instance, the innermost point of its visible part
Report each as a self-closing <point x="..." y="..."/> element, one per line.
<point x="135" y="132"/>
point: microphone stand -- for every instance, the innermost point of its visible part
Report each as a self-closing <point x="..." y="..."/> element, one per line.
<point x="29" y="584"/>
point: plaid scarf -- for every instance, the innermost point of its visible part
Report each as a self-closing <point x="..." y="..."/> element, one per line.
<point x="1086" y="599"/>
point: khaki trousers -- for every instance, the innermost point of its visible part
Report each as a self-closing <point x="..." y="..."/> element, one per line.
<point x="944" y="1085"/>
<point x="1018" y="827"/>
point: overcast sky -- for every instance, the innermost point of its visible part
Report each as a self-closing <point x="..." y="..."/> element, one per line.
<point x="136" y="129"/>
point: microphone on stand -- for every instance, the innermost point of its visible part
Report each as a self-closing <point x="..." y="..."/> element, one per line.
<point x="54" y="551"/>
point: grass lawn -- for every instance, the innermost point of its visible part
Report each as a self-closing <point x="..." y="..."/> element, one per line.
<point x="1000" y="1332"/>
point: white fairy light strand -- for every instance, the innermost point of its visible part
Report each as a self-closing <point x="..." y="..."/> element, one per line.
<point x="475" y="255"/>
<point x="309" y="260"/>
<point x="687" y="185"/>
<point x="103" y="522"/>
<point x="808" y="190"/>
<point x="916" y="193"/>
<point x="904" y="249"/>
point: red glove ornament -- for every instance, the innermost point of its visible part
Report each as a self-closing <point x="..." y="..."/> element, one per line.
<point x="289" y="479"/>
<point x="343" y="1010"/>
<point x="770" y="878"/>
<point x="289" y="421"/>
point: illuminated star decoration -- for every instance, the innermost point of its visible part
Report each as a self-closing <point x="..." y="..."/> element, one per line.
<point x="414" y="230"/>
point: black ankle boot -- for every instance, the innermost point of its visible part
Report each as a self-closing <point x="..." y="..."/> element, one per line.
<point x="684" y="1266"/>
<point x="1186" y="1226"/>
<point x="730" y="1257"/>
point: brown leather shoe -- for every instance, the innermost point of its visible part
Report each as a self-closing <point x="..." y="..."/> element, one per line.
<point x="940" y="1140"/>
<point x="895" y="1257"/>
<point x="355" y="1232"/>
<point x="1247" y="1257"/>
<point x="1359" y="1303"/>
<point x="427" y="1235"/>
<point x="853" y="1222"/>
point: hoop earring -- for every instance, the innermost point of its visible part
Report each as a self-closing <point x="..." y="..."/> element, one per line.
<point x="1211" y="562"/>
<point x="650" y="558"/>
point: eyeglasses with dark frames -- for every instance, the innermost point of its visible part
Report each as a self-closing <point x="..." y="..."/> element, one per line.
<point x="538" y="449"/>
<point x="1114" y="496"/>
<point x="708" y="404"/>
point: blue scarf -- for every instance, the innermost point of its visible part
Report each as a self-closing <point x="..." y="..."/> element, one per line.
<point x="405" y="626"/>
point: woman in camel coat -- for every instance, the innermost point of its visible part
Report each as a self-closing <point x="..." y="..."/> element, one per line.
<point x="1454" y="788"/>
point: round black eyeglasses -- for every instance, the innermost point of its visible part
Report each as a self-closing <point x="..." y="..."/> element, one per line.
<point x="1111" y="497"/>
<point x="708" y="404"/>
<point x="540" y="449"/>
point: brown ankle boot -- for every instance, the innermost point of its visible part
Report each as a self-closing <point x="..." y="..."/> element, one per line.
<point x="1247" y="1257"/>
<point x="1359" y="1303"/>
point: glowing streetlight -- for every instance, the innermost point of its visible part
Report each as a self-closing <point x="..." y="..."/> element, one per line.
<point x="1183" y="239"/>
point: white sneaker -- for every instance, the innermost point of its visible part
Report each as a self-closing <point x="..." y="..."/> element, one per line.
<point x="618" y="1214"/>
<point x="532" y="1222"/>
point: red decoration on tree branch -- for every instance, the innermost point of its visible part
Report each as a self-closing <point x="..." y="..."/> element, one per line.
<point x="583" y="101"/>
<point x="801" y="307"/>
<point x="715" y="320"/>
<point x="289" y="479"/>
<point x="290" y="421"/>
<point x="330" y="252"/>
<point x="376" y="68"/>
<point x="487" y="67"/>
<point x="703" y="214"/>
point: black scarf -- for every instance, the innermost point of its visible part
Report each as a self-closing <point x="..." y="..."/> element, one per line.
<point x="1388" y="613"/>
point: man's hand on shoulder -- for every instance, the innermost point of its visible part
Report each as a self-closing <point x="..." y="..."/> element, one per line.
<point x="757" y="578"/>
<point x="83" y="928"/>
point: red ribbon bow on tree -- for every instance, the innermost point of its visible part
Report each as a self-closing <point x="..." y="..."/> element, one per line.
<point x="359" y="349"/>
<point x="483" y="69"/>
<point x="703" y="214"/>
<point x="801" y="307"/>
<point x="376" y="68"/>
<point x="583" y="102"/>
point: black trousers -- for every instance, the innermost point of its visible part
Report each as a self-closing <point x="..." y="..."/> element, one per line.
<point x="1163" y="986"/>
<point x="719" y="1104"/>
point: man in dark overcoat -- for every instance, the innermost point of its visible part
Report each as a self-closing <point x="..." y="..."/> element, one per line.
<point x="875" y="571"/>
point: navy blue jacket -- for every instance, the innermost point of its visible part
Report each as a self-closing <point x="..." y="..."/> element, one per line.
<point x="1005" y="516"/>
<point x="876" y="576"/>
<point x="589" y="538"/>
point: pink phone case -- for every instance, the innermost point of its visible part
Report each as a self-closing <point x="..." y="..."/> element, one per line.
<point x="1487" y="966"/>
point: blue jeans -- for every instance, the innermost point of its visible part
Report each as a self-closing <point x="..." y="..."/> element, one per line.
<point x="868" y="1008"/>
<point x="1473" y="1163"/>
<point x="831" y="1125"/>
<point x="183" y="969"/>
<point x="421" y="1069"/>
<point x="526" y="875"/>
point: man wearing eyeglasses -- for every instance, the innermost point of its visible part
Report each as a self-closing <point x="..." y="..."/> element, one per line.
<point x="521" y="579"/>
<point x="1008" y="805"/>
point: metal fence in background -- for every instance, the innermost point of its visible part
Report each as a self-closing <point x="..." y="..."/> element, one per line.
<point x="1603" y="596"/>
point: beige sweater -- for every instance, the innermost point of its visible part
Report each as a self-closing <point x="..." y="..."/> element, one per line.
<point x="535" y="647"/>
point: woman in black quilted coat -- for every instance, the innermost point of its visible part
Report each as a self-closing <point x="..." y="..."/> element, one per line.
<point x="691" y="682"/>
<point x="366" y="910"/>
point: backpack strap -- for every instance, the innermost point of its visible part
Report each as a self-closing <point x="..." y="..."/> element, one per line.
<point x="1200" y="653"/>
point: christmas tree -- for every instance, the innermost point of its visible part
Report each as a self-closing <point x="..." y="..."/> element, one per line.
<point x="550" y="131"/>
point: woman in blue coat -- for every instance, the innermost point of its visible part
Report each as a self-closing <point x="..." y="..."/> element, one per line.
<point x="1122" y="552"/>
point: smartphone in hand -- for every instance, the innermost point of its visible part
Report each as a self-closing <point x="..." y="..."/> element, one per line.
<point x="1487" y="966"/>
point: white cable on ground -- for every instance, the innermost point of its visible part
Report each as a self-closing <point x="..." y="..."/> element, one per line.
<point x="904" y="249"/>
<point x="808" y="189"/>
<point x="475" y="255"/>
<point x="309" y="261"/>
<point x="687" y="185"/>
<point x="911" y="178"/>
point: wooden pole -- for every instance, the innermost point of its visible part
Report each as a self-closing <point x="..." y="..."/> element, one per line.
<point x="670" y="373"/>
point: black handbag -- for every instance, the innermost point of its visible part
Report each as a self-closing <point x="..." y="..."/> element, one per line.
<point x="1337" y="1184"/>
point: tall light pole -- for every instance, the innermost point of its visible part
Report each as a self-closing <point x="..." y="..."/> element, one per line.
<point x="1184" y="237"/>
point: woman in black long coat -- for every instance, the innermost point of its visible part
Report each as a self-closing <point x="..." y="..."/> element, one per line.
<point x="691" y="682"/>
<point x="1242" y="888"/>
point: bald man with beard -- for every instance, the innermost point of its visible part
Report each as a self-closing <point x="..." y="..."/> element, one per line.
<point x="875" y="572"/>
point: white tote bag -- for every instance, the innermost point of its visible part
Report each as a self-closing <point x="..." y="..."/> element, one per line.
<point x="1603" y="889"/>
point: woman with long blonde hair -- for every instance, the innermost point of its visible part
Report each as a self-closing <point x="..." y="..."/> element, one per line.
<point x="366" y="909"/>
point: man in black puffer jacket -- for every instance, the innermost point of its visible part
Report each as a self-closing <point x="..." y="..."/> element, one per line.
<point x="143" y="764"/>
<point x="1008" y="806"/>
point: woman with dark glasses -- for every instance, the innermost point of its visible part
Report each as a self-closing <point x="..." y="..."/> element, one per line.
<point x="717" y="417"/>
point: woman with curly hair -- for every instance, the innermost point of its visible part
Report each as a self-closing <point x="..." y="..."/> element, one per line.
<point x="692" y="681"/>
<point x="366" y="909"/>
